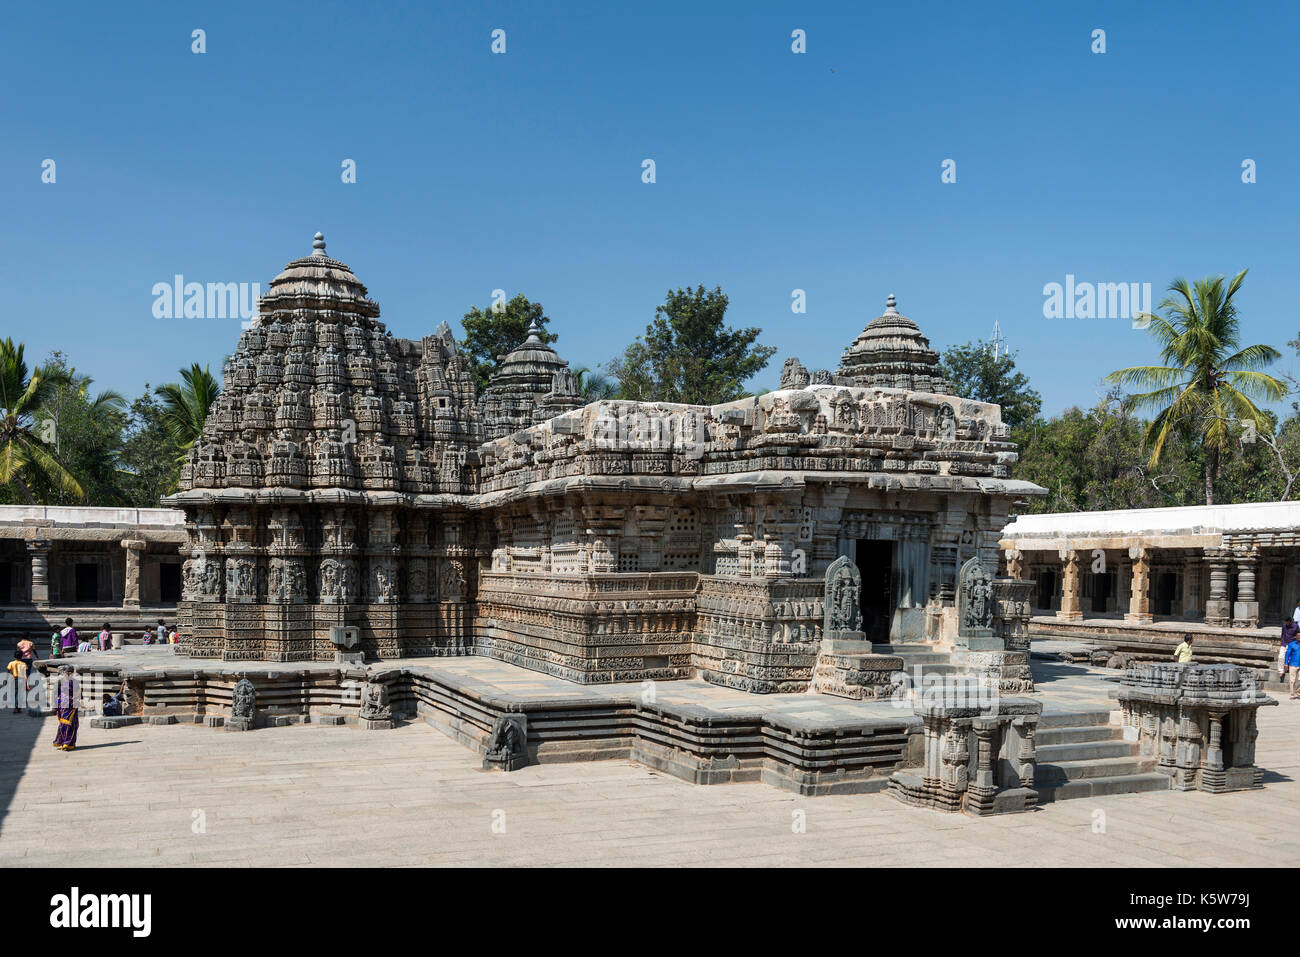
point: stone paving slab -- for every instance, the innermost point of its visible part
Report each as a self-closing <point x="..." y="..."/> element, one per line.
<point x="311" y="795"/>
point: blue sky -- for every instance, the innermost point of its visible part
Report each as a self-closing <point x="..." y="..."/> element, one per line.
<point x="522" y="171"/>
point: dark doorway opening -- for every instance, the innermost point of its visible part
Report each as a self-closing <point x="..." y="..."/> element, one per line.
<point x="1103" y="588"/>
<point x="1046" y="589"/>
<point x="876" y="564"/>
<point x="6" y="582"/>
<point x="169" y="582"/>
<point x="1166" y="588"/>
<point x="87" y="582"/>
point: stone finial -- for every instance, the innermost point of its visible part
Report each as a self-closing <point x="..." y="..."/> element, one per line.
<point x="534" y="332"/>
<point x="318" y="245"/>
<point x="891" y="304"/>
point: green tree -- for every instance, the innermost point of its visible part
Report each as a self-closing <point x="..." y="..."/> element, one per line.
<point x="86" y="430"/>
<point x="185" y="405"/>
<point x="1207" y="386"/>
<point x="26" y="448"/>
<point x="489" y="334"/>
<point x="688" y="355"/>
<point x="594" y="385"/>
<point x="1096" y="459"/>
<point x="150" y="456"/>
<point x="979" y="372"/>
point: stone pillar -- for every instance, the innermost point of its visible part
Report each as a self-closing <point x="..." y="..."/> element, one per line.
<point x="1139" y="603"/>
<point x="131" y="577"/>
<point x="1069" y="585"/>
<point x="1245" y="611"/>
<point x="1191" y="589"/>
<point x="1217" y="607"/>
<point x="40" y="584"/>
<point x="1015" y="563"/>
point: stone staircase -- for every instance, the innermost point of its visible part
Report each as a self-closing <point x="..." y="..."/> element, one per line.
<point x="1081" y="754"/>
<point x="850" y="670"/>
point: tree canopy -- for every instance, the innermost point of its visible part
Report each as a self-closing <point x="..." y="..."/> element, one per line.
<point x="688" y="354"/>
<point x="490" y="334"/>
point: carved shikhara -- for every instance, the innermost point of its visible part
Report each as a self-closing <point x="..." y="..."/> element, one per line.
<point x="347" y="477"/>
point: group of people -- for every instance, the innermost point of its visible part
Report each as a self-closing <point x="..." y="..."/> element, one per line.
<point x="66" y="688"/>
<point x="66" y="640"/>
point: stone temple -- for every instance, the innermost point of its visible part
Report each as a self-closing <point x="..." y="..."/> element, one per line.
<point x="347" y="478"/>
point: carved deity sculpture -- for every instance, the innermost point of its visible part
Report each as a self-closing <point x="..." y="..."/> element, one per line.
<point x="976" y="601"/>
<point x="843" y="591"/>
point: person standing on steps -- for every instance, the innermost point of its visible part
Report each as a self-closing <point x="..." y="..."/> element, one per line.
<point x="1289" y="631"/>
<point x="68" y="636"/>
<point x="1184" y="651"/>
<point x="1293" y="665"/>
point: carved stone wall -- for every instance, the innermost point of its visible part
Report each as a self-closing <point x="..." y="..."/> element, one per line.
<point x="343" y="479"/>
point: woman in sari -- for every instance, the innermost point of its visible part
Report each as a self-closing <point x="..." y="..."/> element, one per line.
<point x="66" y="708"/>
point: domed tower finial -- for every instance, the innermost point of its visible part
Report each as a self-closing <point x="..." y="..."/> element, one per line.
<point x="534" y="332"/>
<point x="891" y="304"/>
<point x="318" y="245"/>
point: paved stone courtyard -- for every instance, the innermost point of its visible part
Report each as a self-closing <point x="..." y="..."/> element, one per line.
<point x="332" y="796"/>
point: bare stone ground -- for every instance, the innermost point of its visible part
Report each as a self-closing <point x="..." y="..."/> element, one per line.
<point x="314" y="795"/>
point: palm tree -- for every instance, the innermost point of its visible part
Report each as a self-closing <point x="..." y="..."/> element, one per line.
<point x="25" y="438"/>
<point x="185" y="406"/>
<point x="1207" y="383"/>
<point x="594" y="385"/>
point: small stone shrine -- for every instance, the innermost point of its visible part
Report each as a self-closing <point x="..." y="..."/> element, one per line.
<point x="1198" y="720"/>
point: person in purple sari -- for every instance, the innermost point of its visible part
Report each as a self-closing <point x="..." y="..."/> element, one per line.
<point x="66" y="700"/>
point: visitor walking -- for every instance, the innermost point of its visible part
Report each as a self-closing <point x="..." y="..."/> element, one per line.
<point x="1293" y="665"/>
<point x="1184" y="651"/>
<point x="56" y="645"/>
<point x="106" y="638"/>
<point x="18" y="677"/>
<point x="84" y="646"/>
<point x="65" y="704"/>
<point x="162" y="631"/>
<point x="28" y="649"/>
<point x="69" y="635"/>
<point x="1289" y="631"/>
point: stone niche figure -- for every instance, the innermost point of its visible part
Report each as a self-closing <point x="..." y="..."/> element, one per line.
<point x="506" y="748"/>
<point x="376" y="713"/>
<point x="843" y="612"/>
<point x="243" y="706"/>
<point x="975" y="612"/>
<point x="793" y="375"/>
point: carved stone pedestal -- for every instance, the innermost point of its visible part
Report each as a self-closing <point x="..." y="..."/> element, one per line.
<point x="1198" y="720"/>
<point x="979" y="754"/>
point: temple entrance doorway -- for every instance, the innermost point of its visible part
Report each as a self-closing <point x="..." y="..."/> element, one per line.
<point x="1103" y="590"/>
<point x="1166" y="589"/>
<point x="875" y="561"/>
<point x="169" y="582"/>
<point x="87" y="582"/>
<point x="1046" y="589"/>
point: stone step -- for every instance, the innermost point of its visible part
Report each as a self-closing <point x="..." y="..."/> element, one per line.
<point x="1049" y="775"/>
<point x="1095" y="787"/>
<point x="907" y="649"/>
<point x="1073" y="719"/>
<point x="919" y="658"/>
<point x="1083" y="751"/>
<point x="1094" y="732"/>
